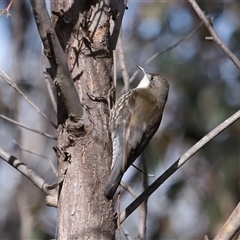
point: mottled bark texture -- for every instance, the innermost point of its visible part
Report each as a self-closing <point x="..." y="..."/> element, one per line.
<point x="85" y="147"/>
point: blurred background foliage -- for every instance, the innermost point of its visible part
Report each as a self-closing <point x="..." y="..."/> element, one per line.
<point x="204" y="91"/>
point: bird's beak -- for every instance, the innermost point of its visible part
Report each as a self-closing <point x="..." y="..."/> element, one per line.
<point x="145" y="73"/>
<point x="142" y="69"/>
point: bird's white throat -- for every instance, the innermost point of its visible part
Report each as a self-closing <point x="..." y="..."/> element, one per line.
<point x="144" y="82"/>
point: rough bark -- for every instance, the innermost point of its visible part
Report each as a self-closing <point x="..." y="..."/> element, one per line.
<point x="84" y="147"/>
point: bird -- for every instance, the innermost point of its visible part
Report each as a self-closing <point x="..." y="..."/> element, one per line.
<point x="134" y="119"/>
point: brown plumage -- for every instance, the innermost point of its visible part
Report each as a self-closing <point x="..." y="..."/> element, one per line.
<point x="134" y="119"/>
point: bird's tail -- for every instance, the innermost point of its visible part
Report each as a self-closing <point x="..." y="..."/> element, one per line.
<point x="118" y="163"/>
<point x="113" y="181"/>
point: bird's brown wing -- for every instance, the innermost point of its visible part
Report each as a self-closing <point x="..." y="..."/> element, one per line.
<point x="145" y="119"/>
<point x="131" y="127"/>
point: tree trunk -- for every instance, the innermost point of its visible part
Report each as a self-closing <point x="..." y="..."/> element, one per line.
<point x="84" y="147"/>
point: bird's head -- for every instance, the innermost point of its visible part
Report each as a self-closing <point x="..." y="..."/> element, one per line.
<point x="152" y="80"/>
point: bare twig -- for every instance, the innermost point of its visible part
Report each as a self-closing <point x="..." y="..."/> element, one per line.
<point x="175" y="166"/>
<point x="6" y="78"/>
<point x="122" y="64"/>
<point x="129" y="189"/>
<point x="28" y="173"/>
<point x="30" y="129"/>
<point x="213" y="33"/>
<point x="51" y="95"/>
<point x="143" y="208"/>
<point x="114" y="70"/>
<point x="191" y="34"/>
<point x="231" y="226"/>
<point x="39" y="155"/>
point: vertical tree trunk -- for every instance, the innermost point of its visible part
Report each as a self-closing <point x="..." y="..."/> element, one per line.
<point x="85" y="148"/>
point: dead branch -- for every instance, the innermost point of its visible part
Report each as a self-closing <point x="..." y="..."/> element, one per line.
<point x="57" y="59"/>
<point x="128" y="189"/>
<point x="31" y="175"/>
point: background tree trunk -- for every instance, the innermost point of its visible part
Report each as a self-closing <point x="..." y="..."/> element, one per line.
<point x="83" y="211"/>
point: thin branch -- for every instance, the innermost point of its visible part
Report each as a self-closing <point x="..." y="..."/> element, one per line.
<point x="231" y="226"/>
<point x="114" y="69"/>
<point x="191" y="34"/>
<point x="143" y="208"/>
<point x="37" y="154"/>
<point x="57" y="59"/>
<point x="28" y="173"/>
<point x="30" y="129"/>
<point x="129" y="189"/>
<point x="213" y="33"/>
<point x="51" y="95"/>
<point x="6" y="78"/>
<point x="175" y="166"/>
<point x="122" y="63"/>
